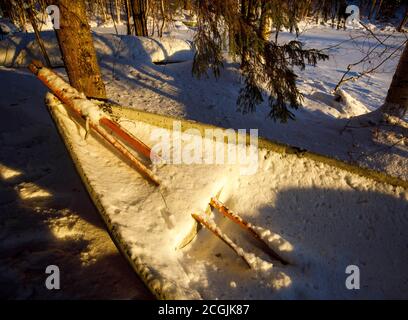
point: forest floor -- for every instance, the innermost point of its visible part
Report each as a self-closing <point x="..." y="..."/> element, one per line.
<point x="46" y="215"/>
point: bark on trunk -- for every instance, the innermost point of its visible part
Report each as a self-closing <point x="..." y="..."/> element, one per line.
<point x="77" y="49"/>
<point x="187" y="5"/>
<point x="33" y="22"/>
<point x="372" y="9"/>
<point x="403" y="21"/>
<point x="265" y="28"/>
<point x="140" y="17"/>
<point x="244" y="17"/>
<point x="396" y="102"/>
<point x="162" y="12"/>
<point x="103" y="10"/>
<point x="118" y="11"/>
<point x="6" y="9"/>
<point x="128" y="10"/>
<point x="377" y="15"/>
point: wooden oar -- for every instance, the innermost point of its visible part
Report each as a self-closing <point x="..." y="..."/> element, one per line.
<point x="217" y="231"/>
<point x="225" y="211"/>
<point x="196" y="227"/>
<point x="126" y="136"/>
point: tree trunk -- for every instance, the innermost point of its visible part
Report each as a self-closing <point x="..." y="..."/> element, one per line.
<point x="244" y="16"/>
<point x="128" y="13"/>
<point x="372" y="9"/>
<point x="6" y="9"/>
<point x="404" y="20"/>
<point x="396" y="102"/>
<point x="140" y="17"/>
<point x="22" y="18"/>
<point x="77" y="49"/>
<point x="31" y="17"/>
<point x="118" y="11"/>
<point x="377" y="15"/>
<point x="187" y="5"/>
<point x="265" y="26"/>
<point x="103" y="10"/>
<point x="162" y="12"/>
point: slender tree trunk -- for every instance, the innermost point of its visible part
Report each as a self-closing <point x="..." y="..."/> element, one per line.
<point x="265" y="27"/>
<point x="23" y="19"/>
<point x="128" y="10"/>
<point x="77" y="49"/>
<point x="187" y="5"/>
<point x="33" y="22"/>
<point x="377" y="15"/>
<point x="244" y="17"/>
<point x="140" y="17"/>
<point x="396" y="102"/>
<point x="103" y="10"/>
<point x="306" y="9"/>
<point x="118" y="11"/>
<point x="404" y="20"/>
<point x="372" y="9"/>
<point x="5" y="9"/>
<point x="162" y="12"/>
<point x="113" y="18"/>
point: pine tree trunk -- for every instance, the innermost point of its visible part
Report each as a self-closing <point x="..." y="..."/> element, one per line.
<point x="140" y="17"/>
<point x="128" y="10"/>
<point x="23" y="20"/>
<point x="77" y="49"/>
<point x="187" y="5"/>
<point x="103" y="10"/>
<point x="396" y="102"/>
<point x="265" y="28"/>
<point x="377" y="15"/>
<point x="244" y="16"/>
<point x="162" y="12"/>
<point x="372" y="9"/>
<point x="5" y="8"/>
<point x="118" y="11"/>
<point x="33" y="22"/>
<point x="404" y="20"/>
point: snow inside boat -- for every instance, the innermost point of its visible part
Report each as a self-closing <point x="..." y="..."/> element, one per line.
<point x="291" y="222"/>
<point x="316" y="215"/>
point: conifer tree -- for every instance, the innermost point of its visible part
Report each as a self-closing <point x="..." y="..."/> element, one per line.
<point x="266" y="64"/>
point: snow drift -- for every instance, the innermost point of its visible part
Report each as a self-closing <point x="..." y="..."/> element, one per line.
<point x="19" y="49"/>
<point x="342" y="102"/>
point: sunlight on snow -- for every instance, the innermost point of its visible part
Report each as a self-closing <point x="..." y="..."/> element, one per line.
<point x="28" y="191"/>
<point x="8" y="173"/>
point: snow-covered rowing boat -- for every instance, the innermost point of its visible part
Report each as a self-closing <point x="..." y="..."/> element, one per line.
<point x="317" y="213"/>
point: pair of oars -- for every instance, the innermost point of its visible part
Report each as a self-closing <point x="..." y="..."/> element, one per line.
<point x="226" y="212"/>
<point x="71" y="98"/>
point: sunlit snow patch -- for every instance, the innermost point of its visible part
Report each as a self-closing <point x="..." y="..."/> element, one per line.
<point x="7" y="173"/>
<point x="29" y="191"/>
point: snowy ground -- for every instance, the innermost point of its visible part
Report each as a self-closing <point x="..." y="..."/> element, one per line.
<point x="46" y="216"/>
<point x="48" y="220"/>
<point x="321" y="123"/>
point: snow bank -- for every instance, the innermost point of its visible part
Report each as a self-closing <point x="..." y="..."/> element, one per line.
<point x="7" y="27"/>
<point x="345" y="105"/>
<point x="19" y="49"/>
<point x="152" y="49"/>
